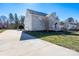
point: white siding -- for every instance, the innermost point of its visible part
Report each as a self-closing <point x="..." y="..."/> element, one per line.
<point x="52" y="20"/>
<point x="37" y="22"/>
<point x="28" y="22"/>
<point x="34" y="22"/>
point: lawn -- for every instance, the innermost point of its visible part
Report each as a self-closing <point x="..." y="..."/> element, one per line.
<point x="1" y="30"/>
<point x="65" y="39"/>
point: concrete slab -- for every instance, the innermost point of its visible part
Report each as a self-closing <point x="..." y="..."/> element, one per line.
<point x="11" y="44"/>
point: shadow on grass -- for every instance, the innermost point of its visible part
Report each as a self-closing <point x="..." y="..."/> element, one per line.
<point x="40" y="34"/>
<point x="25" y="36"/>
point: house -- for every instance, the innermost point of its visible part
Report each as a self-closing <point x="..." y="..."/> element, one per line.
<point x="62" y="25"/>
<point x="70" y="24"/>
<point x="38" y="21"/>
<point x="77" y="26"/>
<point x="54" y="22"/>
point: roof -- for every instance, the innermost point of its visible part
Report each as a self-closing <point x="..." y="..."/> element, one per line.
<point x="36" y="12"/>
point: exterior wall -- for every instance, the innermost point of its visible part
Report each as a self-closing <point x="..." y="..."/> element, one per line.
<point x="37" y="22"/>
<point x="56" y="27"/>
<point x="61" y="27"/>
<point x="52" y="21"/>
<point x="70" y="26"/>
<point x="33" y="22"/>
<point x="77" y="26"/>
<point x="28" y="22"/>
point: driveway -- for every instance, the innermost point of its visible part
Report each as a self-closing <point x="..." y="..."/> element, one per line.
<point x="18" y="43"/>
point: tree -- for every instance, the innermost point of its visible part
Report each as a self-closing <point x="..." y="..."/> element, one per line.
<point x="3" y="18"/>
<point x="11" y="18"/>
<point x="22" y="20"/>
<point x="0" y="23"/>
<point x="3" y="21"/>
<point x="0" y="20"/>
<point x="7" y="23"/>
<point x="16" y="21"/>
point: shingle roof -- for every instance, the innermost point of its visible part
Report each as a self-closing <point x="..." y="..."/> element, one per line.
<point x="36" y="12"/>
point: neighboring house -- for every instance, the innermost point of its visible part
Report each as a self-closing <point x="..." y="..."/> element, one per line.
<point x="38" y="21"/>
<point x="70" y="24"/>
<point x="77" y="26"/>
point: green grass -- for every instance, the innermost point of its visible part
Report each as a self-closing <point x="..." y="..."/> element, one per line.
<point x="65" y="39"/>
<point x="2" y="30"/>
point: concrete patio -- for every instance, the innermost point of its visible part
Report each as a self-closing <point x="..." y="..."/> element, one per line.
<point x="17" y="43"/>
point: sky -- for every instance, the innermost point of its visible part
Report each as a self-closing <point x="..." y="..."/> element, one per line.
<point x="63" y="10"/>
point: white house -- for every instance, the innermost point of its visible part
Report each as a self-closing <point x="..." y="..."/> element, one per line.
<point x="38" y="21"/>
<point x="70" y="25"/>
<point x="77" y="26"/>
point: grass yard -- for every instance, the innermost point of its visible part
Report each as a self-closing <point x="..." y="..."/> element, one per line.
<point x="65" y="39"/>
<point x="1" y="30"/>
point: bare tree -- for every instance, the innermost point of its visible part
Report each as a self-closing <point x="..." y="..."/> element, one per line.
<point x="22" y="20"/>
<point x="7" y="23"/>
<point x="3" y="19"/>
<point x="16" y="21"/>
<point x="11" y="18"/>
<point x="0" y="23"/>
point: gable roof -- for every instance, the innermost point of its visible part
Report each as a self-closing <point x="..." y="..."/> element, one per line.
<point x="36" y="12"/>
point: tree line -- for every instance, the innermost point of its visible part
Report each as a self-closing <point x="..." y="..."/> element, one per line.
<point x="13" y="21"/>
